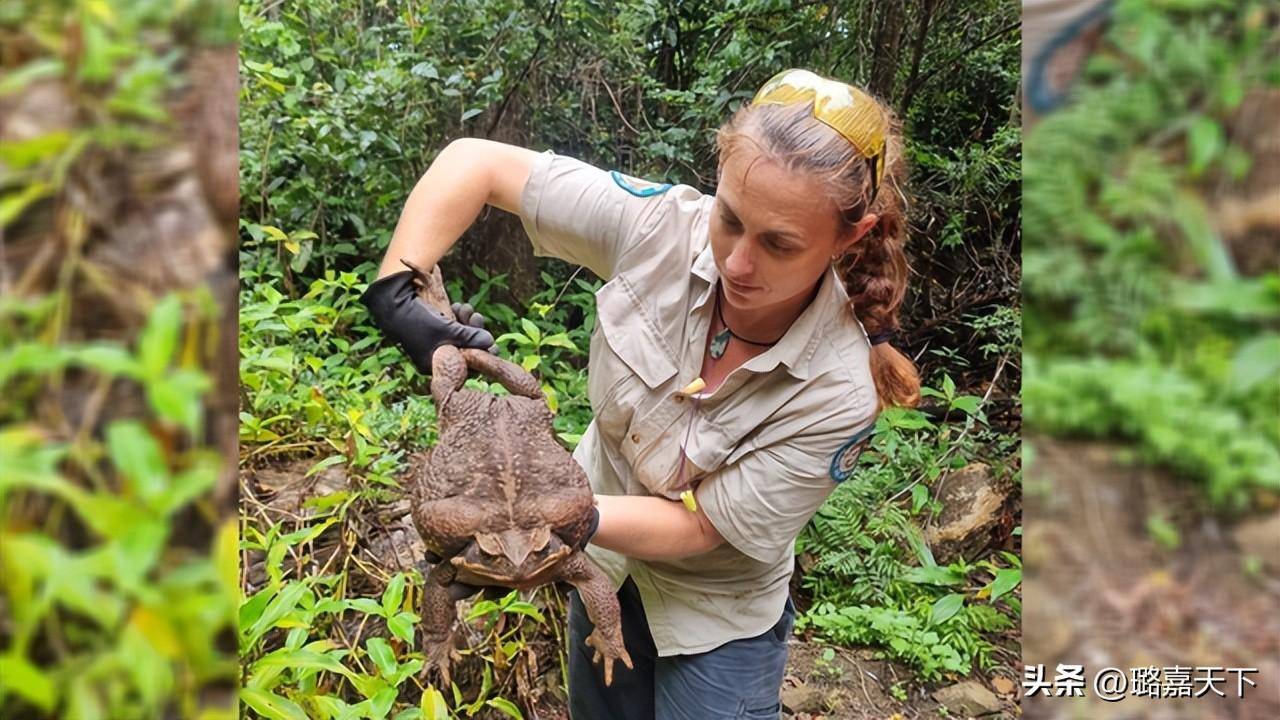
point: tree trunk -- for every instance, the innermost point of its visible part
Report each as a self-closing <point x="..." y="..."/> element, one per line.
<point x="917" y="53"/>
<point x="885" y="45"/>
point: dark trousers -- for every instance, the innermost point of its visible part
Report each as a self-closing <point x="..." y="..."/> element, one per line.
<point x="740" y="679"/>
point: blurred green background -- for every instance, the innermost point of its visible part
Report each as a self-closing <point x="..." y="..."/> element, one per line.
<point x="1151" y="285"/>
<point x="118" y="576"/>
<point x="1152" y="358"/>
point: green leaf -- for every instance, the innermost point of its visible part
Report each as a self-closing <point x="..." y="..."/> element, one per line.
<point x="945" y="608"/>
<point x="301" y="659"/>
<point x="365" y="605"/>
<point x="402" y="627"/>
<point x="276" y="610"/>
<point x="926" y="391"/>
<point x="393" y="595"/>
<point x="919" y="496"/>
<point x="967" y="404"/>
<point x="520" y="338"/>
<point x="28" y="72"/>
<point x="382" y="656"/>
<point x="482" y="608"/>
<point x="301" y="255"/>
<point x="425" y="69"/>
<point x="139" y="458"/>
<point x="1164" y="532"/>
<point x="506" y="707"/>
<point x="24" y="153"/>
<point x="521" y="607"/>
<point x="433" y="705"/>
<point x="1205" y="142"/>
<point x="13" y="204"/>
<point x="936" y="575"/>
<point x="275" y="233"/>
<point x="1005" y="580"/>
<point x="904" y="418"/>
<point x="307" y="534"/>
<point x="160" y="336"/>
<point x="559" y="340"/>
<point x="531" y="330"/>
<point x="108" y="359"/>
<point x="1256" y="361"/>
<point x="381" y="702"/>
<point x="177" y="397"/>
<point x="271" y="706"/>
<point x="325" y="463"/>
<point x="28" y="681"/>
<point x="251" y="609"/>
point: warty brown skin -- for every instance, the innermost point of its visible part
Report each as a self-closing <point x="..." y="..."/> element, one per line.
<point x="503" y="502"/>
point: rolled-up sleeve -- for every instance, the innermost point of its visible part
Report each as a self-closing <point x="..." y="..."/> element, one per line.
<point x="760" y="503"/>
<point x="584" y="215"/>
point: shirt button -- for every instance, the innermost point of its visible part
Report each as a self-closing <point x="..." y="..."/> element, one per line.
<point x="635" y="437"/>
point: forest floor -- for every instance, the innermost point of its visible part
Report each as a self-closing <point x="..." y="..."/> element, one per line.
<point x="379" y="540"/>
<point x="1105" y="585"/>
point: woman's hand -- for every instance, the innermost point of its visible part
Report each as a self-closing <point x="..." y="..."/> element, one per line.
<point x="415" y="326"/>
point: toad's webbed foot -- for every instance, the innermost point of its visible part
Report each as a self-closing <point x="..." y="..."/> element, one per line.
<point x="601" y="602"/>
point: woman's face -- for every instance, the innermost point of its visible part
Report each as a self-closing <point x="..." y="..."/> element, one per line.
<point x="773" y="233"/>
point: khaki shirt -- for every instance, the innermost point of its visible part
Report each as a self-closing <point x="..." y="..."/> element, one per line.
<point x="763" y="450"/>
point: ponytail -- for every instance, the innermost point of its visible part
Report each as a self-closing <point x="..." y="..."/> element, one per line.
<point x="875" y="274"/>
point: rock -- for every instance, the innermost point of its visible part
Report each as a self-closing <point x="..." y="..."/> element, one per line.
<point x="973" y="502"/>
<point x="969" y="698"/>
<point x="1260" y="537"/>
<point x="801" y="699"/>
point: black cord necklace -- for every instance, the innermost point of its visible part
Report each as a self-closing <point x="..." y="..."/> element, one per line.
<point x="720" y="341"/>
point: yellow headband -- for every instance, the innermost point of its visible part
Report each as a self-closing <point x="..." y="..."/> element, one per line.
<point x="842" y="107"/>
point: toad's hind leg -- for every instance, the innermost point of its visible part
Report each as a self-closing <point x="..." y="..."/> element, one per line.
<point x="512" y="377"/>
<point x="601" y="602"/>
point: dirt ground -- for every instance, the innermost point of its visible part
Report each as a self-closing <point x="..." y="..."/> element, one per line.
<point x="854" y="685"/>
<point x="1101" y="590"/>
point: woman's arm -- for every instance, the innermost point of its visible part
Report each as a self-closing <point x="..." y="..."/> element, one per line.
<point x="466" y="175"/>
<point x="653" y="528"/>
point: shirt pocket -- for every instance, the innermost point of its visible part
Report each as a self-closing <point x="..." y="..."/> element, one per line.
<point x="630" y="360"/>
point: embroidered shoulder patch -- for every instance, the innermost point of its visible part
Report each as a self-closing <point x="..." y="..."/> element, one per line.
<point x="629" y="184"/>
<point x="845" y="459"/>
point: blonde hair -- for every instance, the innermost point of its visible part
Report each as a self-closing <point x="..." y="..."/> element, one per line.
<point x="874" y="270"/>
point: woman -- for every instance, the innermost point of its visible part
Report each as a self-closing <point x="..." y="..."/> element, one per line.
<point x="731" y="373"/>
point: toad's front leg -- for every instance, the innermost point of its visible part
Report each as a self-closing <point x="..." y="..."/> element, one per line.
<point x="601" y="602"/>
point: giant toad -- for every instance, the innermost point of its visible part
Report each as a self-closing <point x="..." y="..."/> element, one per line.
<point x="498" y="501"/>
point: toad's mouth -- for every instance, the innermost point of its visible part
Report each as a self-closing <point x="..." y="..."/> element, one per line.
<point x="499" y="569"/>
<point x="512" y="555"/>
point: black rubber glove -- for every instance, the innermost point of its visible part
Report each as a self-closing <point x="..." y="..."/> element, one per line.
<point x="592" y="527"/>
<point x="415" y="326"/>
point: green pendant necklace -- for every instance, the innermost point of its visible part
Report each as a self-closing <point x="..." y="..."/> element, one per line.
<point x="720" y="341"/>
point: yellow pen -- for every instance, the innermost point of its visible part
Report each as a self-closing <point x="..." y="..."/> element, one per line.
<point x="693" y="387"/>
<point x="690" y="502"/>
